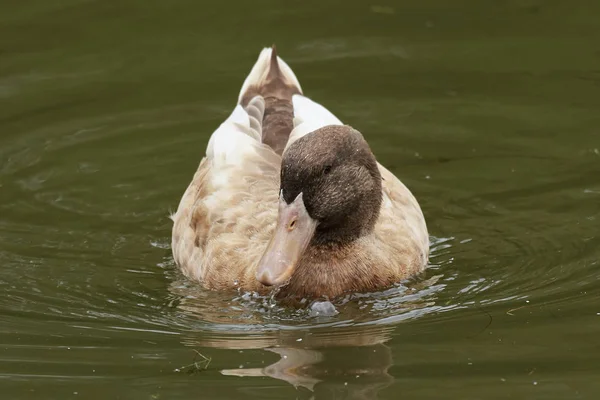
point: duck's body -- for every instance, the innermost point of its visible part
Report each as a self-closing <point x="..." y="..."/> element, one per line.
<point x="343" y="223"/>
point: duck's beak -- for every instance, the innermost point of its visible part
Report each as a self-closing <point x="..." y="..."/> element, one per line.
<point x="293" y="233"/>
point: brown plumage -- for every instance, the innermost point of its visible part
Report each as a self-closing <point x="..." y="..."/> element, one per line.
<point x="343" y="223"/>
<point x="277" y="92"/>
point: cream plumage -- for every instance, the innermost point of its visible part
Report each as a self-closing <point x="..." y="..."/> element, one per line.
<point x="289" y="196"/>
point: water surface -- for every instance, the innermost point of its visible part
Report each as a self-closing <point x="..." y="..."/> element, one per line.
<point x="487" y="110"/>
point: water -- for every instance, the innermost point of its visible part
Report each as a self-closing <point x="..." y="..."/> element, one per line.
<point x="487" y="110"/>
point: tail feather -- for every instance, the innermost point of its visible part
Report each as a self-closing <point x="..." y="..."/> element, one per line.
<point x="270" y="77"/>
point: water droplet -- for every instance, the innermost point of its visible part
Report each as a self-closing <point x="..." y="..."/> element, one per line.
<point x="322" y="309"/>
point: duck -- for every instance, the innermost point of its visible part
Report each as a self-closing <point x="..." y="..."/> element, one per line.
<point x="289" y="200"/>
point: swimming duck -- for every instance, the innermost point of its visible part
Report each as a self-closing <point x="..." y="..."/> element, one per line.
<point x="288" y="196"/>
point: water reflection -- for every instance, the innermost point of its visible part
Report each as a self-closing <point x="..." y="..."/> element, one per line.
<point x="293" y="367"/>
<point x="346" y="363"/>
<point x="344" y="355"/>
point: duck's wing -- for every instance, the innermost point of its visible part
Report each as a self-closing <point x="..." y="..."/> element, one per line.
<point x="228" y="211"/>
<point x="401" y="225"/>
<point x="234" y="188"/>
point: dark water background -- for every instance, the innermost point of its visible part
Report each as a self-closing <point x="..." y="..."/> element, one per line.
<point x="488" y="110"/>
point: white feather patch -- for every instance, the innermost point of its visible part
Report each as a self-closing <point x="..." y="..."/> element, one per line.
<point x="233" y="140"/>
<point x="308" y="110"/>
<point x="308" y="117"/>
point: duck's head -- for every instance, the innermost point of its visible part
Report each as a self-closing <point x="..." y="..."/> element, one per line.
<point x="330" y="195"/>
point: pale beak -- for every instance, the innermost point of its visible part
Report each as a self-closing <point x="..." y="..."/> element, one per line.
<point x="293" y="233"/>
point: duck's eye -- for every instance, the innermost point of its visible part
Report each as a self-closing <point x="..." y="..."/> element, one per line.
<point x="327" y="169"/>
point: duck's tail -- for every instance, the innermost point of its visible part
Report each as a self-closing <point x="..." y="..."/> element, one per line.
<point x="270" y="77"/>
<point x="272" y="83"/>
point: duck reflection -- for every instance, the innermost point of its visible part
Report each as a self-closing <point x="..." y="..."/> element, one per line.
<point x="329" y="362"/>
<point x="340" y="363"/>
<point x="294" y="367"/>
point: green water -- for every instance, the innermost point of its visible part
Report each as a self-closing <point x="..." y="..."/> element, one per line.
<point x="487" y="110"/>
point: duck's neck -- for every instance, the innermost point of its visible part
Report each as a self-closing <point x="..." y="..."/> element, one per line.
<point x="329" y="270"/>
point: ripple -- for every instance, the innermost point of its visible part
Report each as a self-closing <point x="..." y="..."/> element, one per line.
<point x="99" y="139"/>
<point x="248" y="312"/>
<point x="73" y="212"/>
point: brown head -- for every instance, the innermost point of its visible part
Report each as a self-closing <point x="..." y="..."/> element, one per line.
<point x="330" y="195"/>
